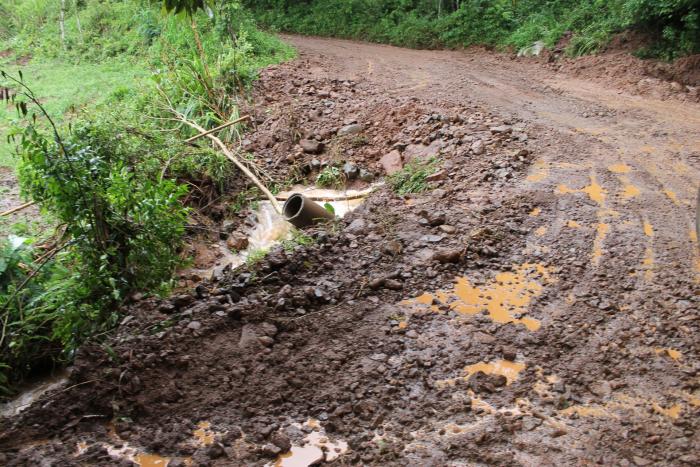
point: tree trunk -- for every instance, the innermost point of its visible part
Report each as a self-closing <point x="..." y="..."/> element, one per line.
<point x="61" y="23"/>
<point x="77" y="20"/>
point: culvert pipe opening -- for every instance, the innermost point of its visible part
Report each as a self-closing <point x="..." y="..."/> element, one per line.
<point x="300" y="211"/>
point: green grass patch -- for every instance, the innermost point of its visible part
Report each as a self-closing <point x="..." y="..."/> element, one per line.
<point x="412" y="178"/>
<point x="65" y="88"/>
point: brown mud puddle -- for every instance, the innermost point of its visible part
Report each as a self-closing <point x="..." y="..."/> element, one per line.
<point x="505" y="298"/>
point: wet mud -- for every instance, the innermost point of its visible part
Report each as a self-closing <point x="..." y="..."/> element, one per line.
<point x="530" y="308"/>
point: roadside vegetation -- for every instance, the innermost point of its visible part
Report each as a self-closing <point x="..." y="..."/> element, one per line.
<point x="93" y="139"/>
<point x="673" y="26"/>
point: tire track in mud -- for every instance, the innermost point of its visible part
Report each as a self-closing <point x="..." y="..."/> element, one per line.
<point x="564" y="334"/>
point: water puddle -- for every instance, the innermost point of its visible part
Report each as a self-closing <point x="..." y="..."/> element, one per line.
<point x="32" y="393"/>
<point x="674" y="354"/>
<point x="620" y="168"/>
<point x="203" y="435"/>
<point x="602" y="231"/>
<point x="594" y="191"/>
<point x="272" y="228"/>
<point x="316" y="448"/>
<point x="506" y="298"/>
<point x="628" y="190"/>
<point x="510" y="370"/>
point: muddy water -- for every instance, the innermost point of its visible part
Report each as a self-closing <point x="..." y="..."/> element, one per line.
<point x="317" y="447"/>
<point x="272" y="228"/>
<point x="32" y="393"/>
<point x="505" y="298"/>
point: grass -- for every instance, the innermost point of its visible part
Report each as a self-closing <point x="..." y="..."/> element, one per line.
<point x="67" y="86"/>
<point x="412" y="178"/>
<point x="330" y="177"/>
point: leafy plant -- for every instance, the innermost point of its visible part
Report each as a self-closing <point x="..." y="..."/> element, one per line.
<point x="298" y="238"/>
<point x="330" y="177"/>
<point x="412" y="178"/>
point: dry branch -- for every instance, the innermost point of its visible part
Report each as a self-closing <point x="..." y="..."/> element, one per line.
<point x="16" y="208"/>
<point x="218" y="128"/>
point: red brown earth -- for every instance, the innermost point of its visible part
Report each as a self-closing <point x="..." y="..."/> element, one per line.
<point x="554" y="258"/>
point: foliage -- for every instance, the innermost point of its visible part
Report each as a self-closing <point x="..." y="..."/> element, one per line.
<point x="674" y="25"/>
<point x="121" y="227"/>
<point x="330" y="177"/>
<point x="412" y="178"/>
<point x="298" y="238"/>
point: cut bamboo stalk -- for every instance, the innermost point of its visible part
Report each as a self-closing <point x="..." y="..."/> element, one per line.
<point x="218" y="128"/>
<point x="17" y="208"/>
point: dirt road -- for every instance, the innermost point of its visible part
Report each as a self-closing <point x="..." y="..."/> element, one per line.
<point x="538" y="306"/>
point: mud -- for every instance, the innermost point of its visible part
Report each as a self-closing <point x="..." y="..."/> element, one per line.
<point x="522" y="311"/>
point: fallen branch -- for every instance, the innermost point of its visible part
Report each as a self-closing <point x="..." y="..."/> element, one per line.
<point x="218" y="128"/>
<point x="227" y="152"/>
<point x="17" y="208"/>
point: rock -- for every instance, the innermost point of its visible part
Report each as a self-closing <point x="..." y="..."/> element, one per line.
<point x="448" y="229"/>
<point x="391" y="248"/>
<point x="351" y="171"/>
<point x="509" y="353"/>
<point x="237" y="242"/>
<point x="215" y="451"/>
<point x="366" y="176"/>
<point x="393" y="284"/>
<point x="376" y="283"/>
<point x="194" y="325"/>
<point x="352" y="129"/>
<point x="357" y="227"/>
<point x="439" y="175"/>
<point x="447" y="256"/>
<point x="502" y="129"/>
<point x="640" y="461"/>
<point x="433" y="218"/>
<point x="477" y="147"/>
<point x="282" y="441"/>
<point x="391" y="162"/>
<point x="431" y="238"/>
<point x="181" y="301"/>
<point x="270" y="450"/>
<point x="311" y="146"/>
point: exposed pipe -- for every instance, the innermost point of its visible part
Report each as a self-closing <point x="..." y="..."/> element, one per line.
<point x="300" y="211"/>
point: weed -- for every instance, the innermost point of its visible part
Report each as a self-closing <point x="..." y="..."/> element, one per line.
<point x="412" y="178"/>
<point x="255" y="256"/>
<point x="299" y="238"/>
<point x="330" y="177"/>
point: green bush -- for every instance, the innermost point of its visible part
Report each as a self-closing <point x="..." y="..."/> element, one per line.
<point x="672" y="24"/>
<point x="121" y="226"/>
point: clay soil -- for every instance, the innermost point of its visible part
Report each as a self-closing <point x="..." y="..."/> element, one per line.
<point x="538" y="305"/>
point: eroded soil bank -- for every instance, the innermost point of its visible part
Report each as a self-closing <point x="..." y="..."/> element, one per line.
<point x="538" y="305"/>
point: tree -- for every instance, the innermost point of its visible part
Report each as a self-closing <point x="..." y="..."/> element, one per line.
<point x="186" y="6"/>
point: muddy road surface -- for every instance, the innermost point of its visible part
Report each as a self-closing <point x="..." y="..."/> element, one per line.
<point x="537" y="305"/>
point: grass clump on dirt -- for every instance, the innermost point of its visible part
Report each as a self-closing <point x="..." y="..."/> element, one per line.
<point x="413" y="177"/>
<point x="105" y="159"/>
<point x="672" y="25"/>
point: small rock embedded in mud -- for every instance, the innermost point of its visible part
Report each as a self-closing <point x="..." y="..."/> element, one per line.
<point x="310" y="146"/>
<point x="282" y="441"/>
<point x="437" y="176"/>
<point x="477" y="147"/>
<point x="351" y="171"/>
<point x="351" y="129"/>
<point x="237" y="242"/>
<point x="501" y="129"/>
<point x="448" y="256"/>
<point x="391" y="248"/>
<point x="393" y="284"/>
<point x="194" y="325"/>
<point x="448" y="229"/>
<point x="391" y="162"/>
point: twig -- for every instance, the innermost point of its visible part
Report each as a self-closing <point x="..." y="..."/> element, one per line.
<point x="17" y="208"/>
<point x="218" y="128"/>
<point x="235" y="160"/>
